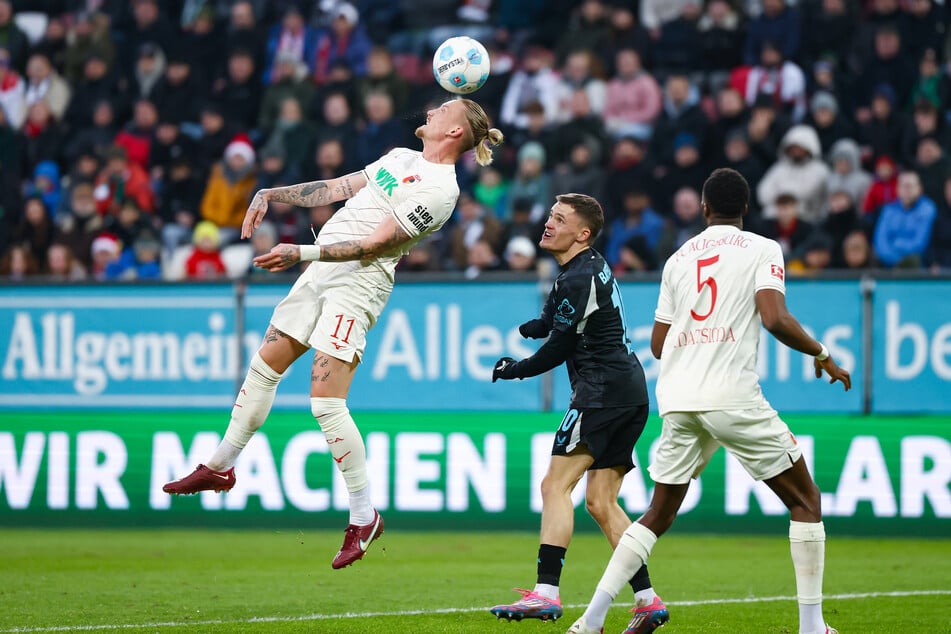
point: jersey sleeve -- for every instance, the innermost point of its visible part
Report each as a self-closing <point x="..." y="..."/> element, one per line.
<point x="573" y="301"/>
<point x="665" y="299"/>
<point x="770" y="268"/>
<point x="425" y="211"/>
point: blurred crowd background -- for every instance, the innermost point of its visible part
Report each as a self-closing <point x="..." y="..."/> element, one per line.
<point x="134" y="133"/>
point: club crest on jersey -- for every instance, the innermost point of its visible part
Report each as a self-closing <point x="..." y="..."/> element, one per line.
<point x="565" y="312"/>
<point x="776" y="271"/>
<point x="412" y="178"/>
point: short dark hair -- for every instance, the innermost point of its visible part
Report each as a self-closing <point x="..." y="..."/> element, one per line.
<point x="588" y="208"/>
<point x="726" y="193"/>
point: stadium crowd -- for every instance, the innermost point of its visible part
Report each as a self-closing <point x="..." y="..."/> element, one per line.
<point x="133" y="134"/>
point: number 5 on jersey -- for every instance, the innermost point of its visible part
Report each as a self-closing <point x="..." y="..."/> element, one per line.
<point x="710" y="282"/>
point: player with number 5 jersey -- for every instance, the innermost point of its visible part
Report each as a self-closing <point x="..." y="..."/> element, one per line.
<point x="715" y="292"/>
<point x="391" y="205"/>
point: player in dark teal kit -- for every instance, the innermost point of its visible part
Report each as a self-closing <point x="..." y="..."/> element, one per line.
<point x="583" y="319"/>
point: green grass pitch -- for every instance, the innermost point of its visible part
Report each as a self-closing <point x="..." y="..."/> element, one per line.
<point x="280" y="581"/>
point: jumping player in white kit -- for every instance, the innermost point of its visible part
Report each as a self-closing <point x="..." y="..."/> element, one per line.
<point x="391" y="204"/>
<point x="715" y="292"/>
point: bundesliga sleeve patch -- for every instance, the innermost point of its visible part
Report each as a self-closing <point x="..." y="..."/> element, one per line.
<point x="776" y="271"/>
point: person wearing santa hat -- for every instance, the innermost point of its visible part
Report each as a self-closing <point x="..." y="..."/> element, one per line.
<point x="229" y="188"/>
<point x="391" y="205"/>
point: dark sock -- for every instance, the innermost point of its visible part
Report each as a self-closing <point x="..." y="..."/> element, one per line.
<point x="641" y="579"/>
<point x="550" y="561"/>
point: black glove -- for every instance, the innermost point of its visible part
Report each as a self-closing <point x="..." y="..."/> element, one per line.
<point x="534" y="329"/>
<point x="504" y="369"/>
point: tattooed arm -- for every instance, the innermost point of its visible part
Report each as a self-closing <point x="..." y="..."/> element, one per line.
<point x="387" y="236"/>
<point x="309" y="194"/>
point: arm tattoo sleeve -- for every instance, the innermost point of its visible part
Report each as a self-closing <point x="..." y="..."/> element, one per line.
<point x="309" y="194"/>
<point x="360" y="249"/>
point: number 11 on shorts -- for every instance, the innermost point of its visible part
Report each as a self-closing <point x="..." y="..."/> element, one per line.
<point x="340" y="323"/>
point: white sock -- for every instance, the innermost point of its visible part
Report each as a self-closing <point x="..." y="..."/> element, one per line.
<point x="361" y="512"/>
<point x="807" y="543"/>
<point x="547" y="590"/>
<point x="345" y="442"/>
<point x="631" y="553"/>
<point x="644" y="597"/>
<point x="251" y="407"/>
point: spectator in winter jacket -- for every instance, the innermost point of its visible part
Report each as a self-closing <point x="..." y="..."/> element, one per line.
<point x="884" y="188"/>
<point x="205" y="262"/>
<point x="847" y="173"/>
<point x="799" y="166"/>
<point x="634" y="98"/>
<point x="229" y="188"/>
<point x="43" y="82"/>
<point x="903" y="230"/>
<point x="122" y="179"/>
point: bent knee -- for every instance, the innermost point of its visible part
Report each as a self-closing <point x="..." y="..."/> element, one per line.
<point x="325" y="409"/>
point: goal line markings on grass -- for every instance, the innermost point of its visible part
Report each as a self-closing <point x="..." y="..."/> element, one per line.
<point x="363" y="615"/>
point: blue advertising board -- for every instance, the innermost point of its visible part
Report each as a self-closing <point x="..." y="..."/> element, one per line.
<point x="433" y="347"/>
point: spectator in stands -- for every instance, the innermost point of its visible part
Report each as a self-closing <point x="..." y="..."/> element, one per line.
<point x="481" y="256"/>
<point x="828" y="121"/>
<point x="149" y="24"/>
<point x="136" y="136"/>
<point x="263" y="240"/>
<point x="52" y="44"/>
<point x="138" y="260"/>
<point x="681" y="113"/>
<point x="383" y="130"/>
<point x="939" y="252"/>
<point x="779" y="24"/>
<point x="288" y="79"/>
<point x="765" y="129"/>
<point x="655" y="13"/>
<point x="531" y="182"/>
<point x="381" y="76"/>
<point x="588" y="29"/>
<point x="11" y="172"/>
<point x="538" y="130"/>
<point x="738" y="155"/>
<point x="731" y="113"/>
<point x="105" y="253"/>
<point x="932" y="84"/>
<point x="46" y="186"/>
<point x="827" y="31"/>
<point x="240" y="91"/>
<point x="842" y="219"/>
<point x="42" y="136"/>
<point x="244" y="31"/>
<point x="779" y="78"/>
<point x="216" y="133"/>
<point x="491" y="190"/>
<point x="205" y="43"/>
<point x="685" y="222"/>
<point x="687" y="170"/>
<point x="883" y="129"/>
<point x="17" y="262"/>
<point x="884" y="189"/>
<point x="534" y="82"/>
<point x="229" y="188"/>
<point x="98" y="83"/>
<point x="180" y="92"/>
<point x="926" y="121"/>
<point x="205" y="262"/>
<point x="293" y="37"/>
<point x="887" y="64"/>
<point x="179" y="202"/>
<point x="903" y="229"/>
<point x="787" y="226"/>
<point x="44" y="83"/>
<point x="169" y="144"/>
<point x="678" y="49"/>
<point x="847" y="173"/>
<point x="339" y="124"/>
<point x="582" y="126"/>
<point x="121" y="179"/>
<point x="149" y="69"/>
<point x="35" y="229"/>
<point x="78" y="224"/>
<point x="329" y="161"/>
<point x="89" y="34"/>
<point x="582" y="71"/>
<point x="633" y="99"/>
<point x="628" y="169"/>
<point x="520" y="254"/>
<point x="857" y="254"/>
<point x="628" y="32"/>
<point x="61" y="265"/>
<point x="637" y="231"/>
<point x="345" y="39"/>
<point x="922" y="27"/>
<point x="812" y="256"/>
<point x="582" y="173"/>
<point x="722" y="33"/>
<point x="472" y="224"/>
<point x="828" y="77"/>
<point x="932" y="165"/>
<point x="799" y="165"/>
<point x="12" y="88"/>
<point x="12" y="38"/>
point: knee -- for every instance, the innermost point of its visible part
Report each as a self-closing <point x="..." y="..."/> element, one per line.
<point x="597" y="507"/>
<point x="329" y="411"/>
<point x="551" y="488"/>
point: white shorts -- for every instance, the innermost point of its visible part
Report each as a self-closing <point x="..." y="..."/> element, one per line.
<point x="330" y="313"/>
<point x="757" y="437"/>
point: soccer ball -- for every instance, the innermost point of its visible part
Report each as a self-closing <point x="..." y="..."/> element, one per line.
<point x="461" y="65"/>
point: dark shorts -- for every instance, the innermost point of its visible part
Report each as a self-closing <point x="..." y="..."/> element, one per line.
<point x="609" y="433"/>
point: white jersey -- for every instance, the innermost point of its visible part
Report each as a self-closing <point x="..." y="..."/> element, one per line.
<point x="420" y="194"/>
<point x="707" y="295"/>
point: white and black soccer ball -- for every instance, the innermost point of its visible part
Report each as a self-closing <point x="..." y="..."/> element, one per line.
<point x="461" y="65"/>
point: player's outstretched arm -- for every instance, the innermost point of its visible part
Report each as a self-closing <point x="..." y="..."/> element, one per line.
<point x="781" y="324"/>
<point x="309" y="194"/>
<point x="387" y="236"/>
